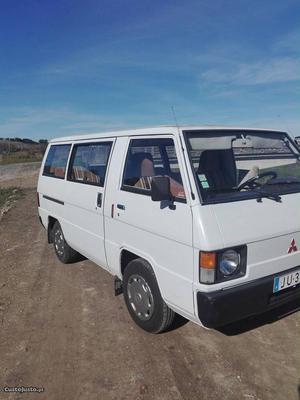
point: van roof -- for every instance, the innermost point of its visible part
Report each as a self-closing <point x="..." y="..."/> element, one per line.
<point x="163" y="129"/>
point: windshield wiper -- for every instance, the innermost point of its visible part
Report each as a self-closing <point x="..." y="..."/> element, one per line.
<point x="282" y="181"/>
<point x="271" y="196"/>
<point x="267" y="195"/>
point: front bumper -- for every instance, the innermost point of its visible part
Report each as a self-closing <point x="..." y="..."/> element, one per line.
<point x="228" y="305"/>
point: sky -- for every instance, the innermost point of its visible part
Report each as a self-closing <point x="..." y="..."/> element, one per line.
<point x="69" y="66"/>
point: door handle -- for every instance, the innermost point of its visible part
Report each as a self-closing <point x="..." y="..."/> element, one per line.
<point x="120" y="206"/>
<point x="99" y="200"/>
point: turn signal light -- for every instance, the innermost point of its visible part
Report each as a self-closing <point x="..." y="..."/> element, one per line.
<point x="207" y="266"/>
<point x="208" y="260"/>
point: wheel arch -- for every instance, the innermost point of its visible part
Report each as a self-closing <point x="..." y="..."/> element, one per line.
<point x="51" y="222"/>
<point x="164" y="316"/>
<point x="128" y="254"/>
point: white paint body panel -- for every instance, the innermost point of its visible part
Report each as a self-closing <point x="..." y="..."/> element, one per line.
<point x="169" y="239"/>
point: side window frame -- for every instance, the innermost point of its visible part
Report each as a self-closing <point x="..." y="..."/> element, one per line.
<point x="163" y="154"/>
<point x="72" y="157"/>
<point x="66" y="165"/>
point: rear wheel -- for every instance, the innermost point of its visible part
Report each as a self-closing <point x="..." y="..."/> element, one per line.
<point x="64" y="252"/>
<point x="143" y="299"/>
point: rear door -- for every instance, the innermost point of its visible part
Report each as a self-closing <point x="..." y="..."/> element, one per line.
<point x="84" y="198"/>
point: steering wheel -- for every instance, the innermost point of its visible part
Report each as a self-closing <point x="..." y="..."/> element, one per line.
<point x="252" y="181"/>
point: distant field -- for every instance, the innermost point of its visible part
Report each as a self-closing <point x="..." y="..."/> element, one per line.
<point x="18" y="152"/>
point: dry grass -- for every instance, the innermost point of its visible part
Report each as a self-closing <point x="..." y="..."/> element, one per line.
<point x="20" y="157"/>
<point x="7" y="197"/>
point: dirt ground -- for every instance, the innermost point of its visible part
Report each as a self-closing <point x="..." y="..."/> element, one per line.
<point x="61" y="328"/>
<point x="23" y="175"/>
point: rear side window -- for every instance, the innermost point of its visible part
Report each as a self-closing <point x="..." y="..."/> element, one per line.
<point x="56" y="161"/>
<point x="152" y="157"/>
<point x="89" y="163"/>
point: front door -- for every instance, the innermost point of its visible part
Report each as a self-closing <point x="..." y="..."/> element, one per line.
<point x="153" y="230"/>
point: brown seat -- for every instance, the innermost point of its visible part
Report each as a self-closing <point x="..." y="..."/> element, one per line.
<point x="141" y="170"/>
<point x="59" y="172"/>
<point x="80" y="173"/>
<point x="140" y="164"/>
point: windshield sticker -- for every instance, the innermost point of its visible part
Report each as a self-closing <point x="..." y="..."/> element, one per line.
<point x="205" y="184"/>
<point x="201" y="177"/>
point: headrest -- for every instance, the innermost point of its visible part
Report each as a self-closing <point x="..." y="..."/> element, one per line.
<point x="141" y="164"/>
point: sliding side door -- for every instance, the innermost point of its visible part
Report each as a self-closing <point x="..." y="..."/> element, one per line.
<point x="84" y="198"/>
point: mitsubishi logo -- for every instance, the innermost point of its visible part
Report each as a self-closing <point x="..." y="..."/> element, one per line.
<point x="292" y="247"/>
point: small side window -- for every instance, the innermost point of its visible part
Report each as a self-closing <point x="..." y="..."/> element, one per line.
<point x="152" y="157"/>
<point x="56" y="161"/>
<point x="89" y="163"/>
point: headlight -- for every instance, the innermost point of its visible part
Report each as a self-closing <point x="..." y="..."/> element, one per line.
<point x="229" y="263"/>
<point x="222" y="265"/>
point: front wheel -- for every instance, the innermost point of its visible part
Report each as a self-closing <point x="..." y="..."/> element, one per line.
<point x="143" y="299"/>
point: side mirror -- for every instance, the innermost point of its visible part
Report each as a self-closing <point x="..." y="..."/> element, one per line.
<point x="297" y="141"/>
<point x="160" y="188"/>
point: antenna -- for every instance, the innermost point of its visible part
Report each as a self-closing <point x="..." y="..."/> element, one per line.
<point x="174" y="116"/>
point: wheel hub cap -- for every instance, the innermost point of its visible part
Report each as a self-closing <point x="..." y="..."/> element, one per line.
<point x="59" y="242"/>
<point x="140" y="297"/>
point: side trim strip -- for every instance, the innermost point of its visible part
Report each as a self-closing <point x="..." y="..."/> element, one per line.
<point x="54" y="200"/>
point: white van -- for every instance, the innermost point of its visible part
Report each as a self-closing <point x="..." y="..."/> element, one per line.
<point x="203" y="222"/>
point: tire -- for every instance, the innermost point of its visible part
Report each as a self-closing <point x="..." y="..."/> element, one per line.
<point x="64" y="252"/>
<point x="143" y="299"/>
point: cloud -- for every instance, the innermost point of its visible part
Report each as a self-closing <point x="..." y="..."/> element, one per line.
<point x="53" y="122"/>
<point x="290" y="43"/>
<point x="261" y="72"/>
<point x="235" y="65"/>
<point x="289" y="125"/>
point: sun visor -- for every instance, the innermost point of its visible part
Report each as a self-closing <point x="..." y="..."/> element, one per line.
<point x="267" y="140"/>
<point x="211" y="142"/>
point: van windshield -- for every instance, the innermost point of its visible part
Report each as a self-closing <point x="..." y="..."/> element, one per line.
<point x="236" y="165"/>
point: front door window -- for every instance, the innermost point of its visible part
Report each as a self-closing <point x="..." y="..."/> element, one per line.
<point x="152" y="157"/>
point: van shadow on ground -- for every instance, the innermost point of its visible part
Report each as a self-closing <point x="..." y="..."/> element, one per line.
<point x="250" y="323"/>
<point x="254" y="322"/>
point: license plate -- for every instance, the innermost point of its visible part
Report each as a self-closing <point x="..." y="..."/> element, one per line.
<point x="286" y="281"/>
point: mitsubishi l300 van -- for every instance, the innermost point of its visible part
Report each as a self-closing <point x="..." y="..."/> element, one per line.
<point x="199" y="221"/>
